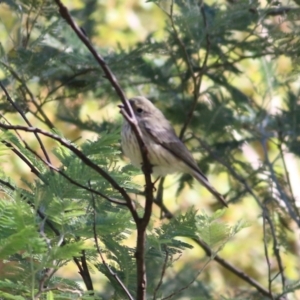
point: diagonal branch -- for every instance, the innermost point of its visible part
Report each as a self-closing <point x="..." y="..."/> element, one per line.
<point x="163" y="271"/>
<point x="82" y="157"/>
<point x="17" y="108"/>
<point x="283" y="195"/>
<point x="242" y="275"/>
<point x="46" y="120"/>
<point x="276" y="248"/>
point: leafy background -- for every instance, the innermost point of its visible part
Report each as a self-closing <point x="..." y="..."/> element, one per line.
<point x="235" y="63"/>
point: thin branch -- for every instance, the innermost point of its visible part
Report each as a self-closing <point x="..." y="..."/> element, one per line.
<point x="279" y="11"/>
<point x="165" y="213"/>
<point x="283" y="195"/>
<point x="197" y="79"/>
<point x="143" y="222"/>
<point x="124" y="288"/>
<point x="275" y="248"/>
<point x="85" y="275"/>
<point x="181" y="44"/>
<point x="128" y="113"/>
<point x="37" y="173"/>
<point x="163" y="271"/>
<point x="32" y="168"/>
<point x="86" y="272"/>
<point x="28" y="91"/>
<point x="267" y="254"/>
<point x="242" y="275"/>
<point x="47" y="272"/>
<point x="19" y="110"/>
<point x="280" y="146"/>
<point x="76" y="183"/>
<point x="229" y="168"/>
<point x="68" y="80"/>
<point x="34" y="20"/>
<point x="81" y="156"/>
<point x="190" y="283"/>
<point x="108" y="73"/>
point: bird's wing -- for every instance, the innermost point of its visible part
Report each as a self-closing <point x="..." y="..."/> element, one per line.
<point x="164" y="135"/>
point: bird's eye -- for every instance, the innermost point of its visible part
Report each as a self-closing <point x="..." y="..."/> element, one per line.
<point x="139" y="110"/>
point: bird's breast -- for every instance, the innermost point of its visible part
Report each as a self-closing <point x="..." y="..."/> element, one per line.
<point x="163" y="161"/>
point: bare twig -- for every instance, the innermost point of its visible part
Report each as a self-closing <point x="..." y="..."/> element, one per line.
<point x="242" y="275"/>
<point x="76" y="183"/>
<point x="46" y="120"/>
<point x="33" y="169"/>
<point x="276" y="249"/>
<point x="52" y="167"/>
<point x="163" y="270"/>
<point x="19" y="110"/>
<point x="229" y="168"/>
<point x="82" y="157"/>
<point x="141" y="222"/>
<point x="267" y="253"/>
<point x="197" y="79"/>
<point x="189" y="283"/>
<point x="69" y="79"/>
<point x="47" y="274"/>
<point x="283" y="195"/>
<point x="280" y="147"/>
<point x="29" y="28"/>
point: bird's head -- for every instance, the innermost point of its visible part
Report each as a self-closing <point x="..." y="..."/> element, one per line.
<point x="143" y="108"/>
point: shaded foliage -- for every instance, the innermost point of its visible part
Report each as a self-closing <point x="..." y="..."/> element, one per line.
<point x="217" y="75"/>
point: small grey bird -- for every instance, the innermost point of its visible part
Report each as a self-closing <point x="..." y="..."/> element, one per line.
<point x="165" y="150"/>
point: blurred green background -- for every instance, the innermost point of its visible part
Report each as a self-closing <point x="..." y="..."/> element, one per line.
<point x="235" y="62"/>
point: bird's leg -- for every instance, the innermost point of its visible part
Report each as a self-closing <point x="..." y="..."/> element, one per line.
<point x="156" y="181"/>
<point x="153" y="183"/>
<point x="164" y="212"/>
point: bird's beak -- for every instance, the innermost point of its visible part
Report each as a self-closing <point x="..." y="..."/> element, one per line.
<point x="122" y="106"/>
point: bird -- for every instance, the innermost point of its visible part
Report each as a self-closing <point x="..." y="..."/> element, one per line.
<point x="166" y="152"/>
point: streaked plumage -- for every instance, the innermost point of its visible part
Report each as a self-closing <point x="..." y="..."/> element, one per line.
<point x="166" y="152"/>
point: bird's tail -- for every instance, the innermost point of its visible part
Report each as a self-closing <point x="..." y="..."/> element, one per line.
<point x="203" y="180"/>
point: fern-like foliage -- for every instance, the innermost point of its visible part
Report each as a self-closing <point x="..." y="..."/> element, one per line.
<point x="225" y="74"/>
